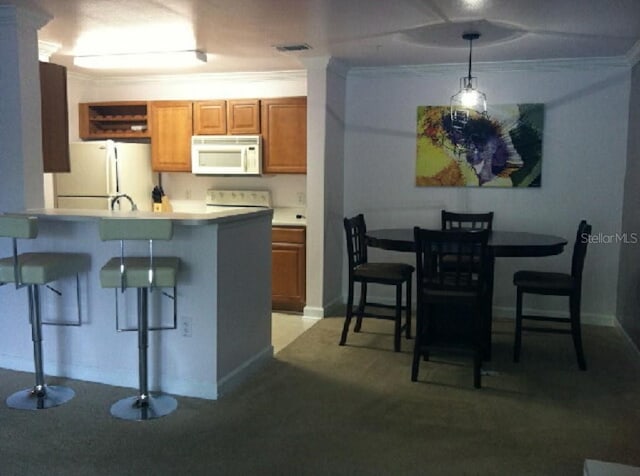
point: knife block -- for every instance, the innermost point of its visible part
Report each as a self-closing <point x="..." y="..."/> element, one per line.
<point x="164" y="206"/>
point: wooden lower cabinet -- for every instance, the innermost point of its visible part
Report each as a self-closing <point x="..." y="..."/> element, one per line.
<point x="288" y="269"/>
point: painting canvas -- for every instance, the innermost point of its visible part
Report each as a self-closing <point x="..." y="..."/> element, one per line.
<point x="500" y="149"/>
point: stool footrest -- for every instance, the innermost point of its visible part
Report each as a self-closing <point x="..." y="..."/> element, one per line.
<point x="78" y="321"/>
<point x="173" y="326"/>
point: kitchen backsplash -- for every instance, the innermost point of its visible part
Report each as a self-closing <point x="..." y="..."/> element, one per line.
<point x="286" y="190"/>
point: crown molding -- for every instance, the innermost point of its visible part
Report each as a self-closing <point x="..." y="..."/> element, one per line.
<point x="570" y="64"/>
<point x="344" y="70"/>
<point x="315" y="62"/>
<point x="339" y="68"/>
<point x="194" y="77"/>
<point x="46" y="49"/>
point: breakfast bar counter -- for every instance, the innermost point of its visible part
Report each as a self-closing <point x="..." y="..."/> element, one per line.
<point x="223" y="304"/>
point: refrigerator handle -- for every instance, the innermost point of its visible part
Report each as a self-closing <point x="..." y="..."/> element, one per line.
<point x="110" y="146"/>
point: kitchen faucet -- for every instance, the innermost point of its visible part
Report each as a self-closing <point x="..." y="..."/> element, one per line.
<point x="115" y="199"/>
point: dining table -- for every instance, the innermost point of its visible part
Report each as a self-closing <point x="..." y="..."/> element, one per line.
<point x="501" y="244"/>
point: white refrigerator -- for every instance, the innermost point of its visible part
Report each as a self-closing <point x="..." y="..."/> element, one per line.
<point x="103" y="169"/>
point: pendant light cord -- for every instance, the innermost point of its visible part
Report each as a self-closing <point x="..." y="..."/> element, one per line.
<point x="470" y="50"/>
<point x="470" y="36"/>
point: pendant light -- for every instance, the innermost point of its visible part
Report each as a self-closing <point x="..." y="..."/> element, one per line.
<point x="469" y="101"/>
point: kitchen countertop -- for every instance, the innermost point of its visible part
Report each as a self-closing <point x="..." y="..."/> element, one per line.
<point x="288" y="216"/>
<point x="282" y="216"/>
<point x="184" y="213"/>
<point x="182" y="218"/>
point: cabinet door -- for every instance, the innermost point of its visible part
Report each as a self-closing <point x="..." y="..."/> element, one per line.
<point x="55" y="117"/>
<point x="171" y="131"/>
<point x="288" y="273"/>
<point x="210" y="117"/>
<point x="243" y="116"/>
<point x="284" y="132"/>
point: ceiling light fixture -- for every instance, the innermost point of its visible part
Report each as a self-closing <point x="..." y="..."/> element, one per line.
<point x="468" y="101"/>
<point x="157" y="59"/>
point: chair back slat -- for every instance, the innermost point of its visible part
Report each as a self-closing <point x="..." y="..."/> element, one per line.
<point x="466" y="252"/>
<point x="580" y="249"/>
<point x="356" y="231"/>
<point x="466" y="221"/>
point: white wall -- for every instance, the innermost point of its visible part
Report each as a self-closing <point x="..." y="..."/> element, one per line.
<point x="584" y="156"/>
<point x="334" y="185"/>
<point x="629" y="278"/>
<point x="20" y="119"/>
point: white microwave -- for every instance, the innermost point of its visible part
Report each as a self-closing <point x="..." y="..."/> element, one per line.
<point x="226" y="155"/>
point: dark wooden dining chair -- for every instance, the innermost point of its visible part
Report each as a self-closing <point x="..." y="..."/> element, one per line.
<point x="555" y="284"/>
<point x="363" y="272"/>
<point x="450" y="299"/>
<point x="464" y="221"/>
<point x="469" y="221"/>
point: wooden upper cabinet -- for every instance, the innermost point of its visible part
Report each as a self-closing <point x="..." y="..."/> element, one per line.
<point x="234" y="116"/>
<point x="243" y="116"/>
<point x="55" y="118"/>
<point x="113" y="120"/>
<point x="284" y="133"/>
<point x="210" y="117"/>
<point x="171" y="123"/>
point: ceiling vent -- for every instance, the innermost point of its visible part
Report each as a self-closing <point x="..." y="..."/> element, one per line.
<point x="292" y="47"/>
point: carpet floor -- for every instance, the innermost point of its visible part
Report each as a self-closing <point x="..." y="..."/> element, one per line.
<point x="321" y="409"/>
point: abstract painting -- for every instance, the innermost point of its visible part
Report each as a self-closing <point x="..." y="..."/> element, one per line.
<point x="500" y="149"/>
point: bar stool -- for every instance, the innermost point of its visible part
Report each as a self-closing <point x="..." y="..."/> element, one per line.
<point x="146" y="274"/>
<point x="32" y="270"/>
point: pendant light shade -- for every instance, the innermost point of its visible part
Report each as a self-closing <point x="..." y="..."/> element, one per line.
<point x="468" y="101"/>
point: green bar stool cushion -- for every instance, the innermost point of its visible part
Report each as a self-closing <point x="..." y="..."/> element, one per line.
<point x="136" y="272"/>
<point x="42" y="268"/>
<point x="18" y="226"/>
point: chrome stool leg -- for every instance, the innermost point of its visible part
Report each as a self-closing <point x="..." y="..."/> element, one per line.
<point x="40" y="396"/>
<point x="143" y="406"/>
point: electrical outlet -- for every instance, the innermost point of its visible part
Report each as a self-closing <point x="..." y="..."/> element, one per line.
<point x="187" y="194"/>
<point x="185" y="327"/>
<point x="302" y="198"/>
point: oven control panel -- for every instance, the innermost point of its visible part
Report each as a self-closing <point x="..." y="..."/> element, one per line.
<point x="239" y="198"/>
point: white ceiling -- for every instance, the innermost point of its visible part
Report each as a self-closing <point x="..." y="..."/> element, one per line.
<point x="240" y="35"/>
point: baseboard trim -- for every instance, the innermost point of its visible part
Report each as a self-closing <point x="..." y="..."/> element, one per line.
<point x="237" y="376"/>
<point x="632" y="345"/>
<point x="605" y="320"/>
<point x="313" y="312"/>
<point x="509" y="312"/>
<point x="332" y="308"/>
<point x="114" y="377"/>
